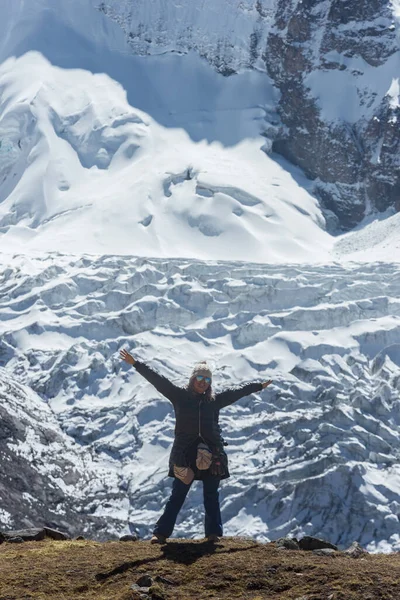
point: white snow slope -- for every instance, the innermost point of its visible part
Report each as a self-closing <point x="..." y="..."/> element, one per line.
<point x="169" y="164"/>
<point x="84" y="170"/>
<point x="105" y="156"/>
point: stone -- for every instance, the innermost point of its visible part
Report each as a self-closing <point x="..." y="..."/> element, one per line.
<point x="288" y="543"/>
<point x="355" y="550"/>
<point x="35" y="534"/>
<point x="311" y="543"/>
<point x="27" y="535"/>
<point x="145" y="581"/>
<point x="140" y="589"/>
<point x="325" y="552"/>
<point x="15" y="540"/>
<point x="54" y="534"/>
<point x="128" y="538"/>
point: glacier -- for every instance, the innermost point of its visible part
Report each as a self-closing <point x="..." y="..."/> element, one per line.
<point x="317" y="454"/>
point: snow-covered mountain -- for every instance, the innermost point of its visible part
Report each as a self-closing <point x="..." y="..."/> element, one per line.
<point x="84" y="170"/>
<point x="336" y="65"/>
<point x="143" y="205"/>
<point x="287" y="61"/>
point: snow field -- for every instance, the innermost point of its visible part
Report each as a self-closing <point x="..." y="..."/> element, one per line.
<point x="104" y="177"/>
<point x="317" y="453"/>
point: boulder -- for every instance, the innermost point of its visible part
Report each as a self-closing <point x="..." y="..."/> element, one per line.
<point x="145" y="581"/>
<point x="355" y="550"/>
<point x="27" y="535"/>
<point x="325" y="552"/>
<point x="140" y="589"/>
<point x="54" y="534"/>
<point x="288" y="543"/>
<point x="311" y="543"/>
<point x="34" y="534"/>
<point x="128" y="538"/>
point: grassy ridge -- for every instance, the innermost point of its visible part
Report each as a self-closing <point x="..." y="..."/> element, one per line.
<point x="235" y="568"/>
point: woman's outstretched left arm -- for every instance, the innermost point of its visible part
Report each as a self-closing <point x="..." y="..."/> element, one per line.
<point x="232" y="395"/>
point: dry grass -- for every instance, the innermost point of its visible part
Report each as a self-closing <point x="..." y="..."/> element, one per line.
<point x="232" y="569"/>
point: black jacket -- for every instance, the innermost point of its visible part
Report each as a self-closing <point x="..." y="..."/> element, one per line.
<point x="196" y="421"/>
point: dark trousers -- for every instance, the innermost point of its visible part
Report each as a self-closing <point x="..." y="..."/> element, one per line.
<point x="212" y="521"/>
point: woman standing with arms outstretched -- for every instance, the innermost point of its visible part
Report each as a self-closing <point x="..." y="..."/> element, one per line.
<point x="197" y="451"/>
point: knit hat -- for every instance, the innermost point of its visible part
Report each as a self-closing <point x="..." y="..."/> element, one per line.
<point x="201" y="368"/>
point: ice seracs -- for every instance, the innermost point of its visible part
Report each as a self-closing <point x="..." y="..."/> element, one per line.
<point x="317" y="454"/>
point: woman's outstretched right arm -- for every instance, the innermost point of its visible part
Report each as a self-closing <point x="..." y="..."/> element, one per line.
<point x="161" y="383"/>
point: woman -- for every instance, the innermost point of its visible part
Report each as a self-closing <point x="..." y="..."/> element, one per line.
<point x="197" y="451"/>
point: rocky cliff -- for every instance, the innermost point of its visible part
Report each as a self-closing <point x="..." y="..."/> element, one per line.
<point x="336" y="65"/>
<point x="45" y="478"/>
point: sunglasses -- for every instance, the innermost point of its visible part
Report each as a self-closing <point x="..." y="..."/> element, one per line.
<point x="201" y="377"/>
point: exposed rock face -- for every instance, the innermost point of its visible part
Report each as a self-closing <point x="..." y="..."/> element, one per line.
<point x="336" y="64"/>
<point x="44" y="477"/>
<point x="344" y="136"/>
<point x="230" y="35"/>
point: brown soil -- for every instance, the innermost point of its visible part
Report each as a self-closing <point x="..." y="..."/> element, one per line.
<point x="234" y="568"/>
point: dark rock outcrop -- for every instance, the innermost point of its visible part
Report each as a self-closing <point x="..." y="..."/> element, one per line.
<point x="43" y="472"/>
<point x="288" y="543"/>
<point x="33" y="534"/>
<point x="128" y="538"/>
<point x="312" y="543"/>
<point x="351" y="147"/>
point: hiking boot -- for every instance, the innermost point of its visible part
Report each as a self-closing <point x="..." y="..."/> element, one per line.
<point x="212" y="538"/>
<point x="158" y="539"/>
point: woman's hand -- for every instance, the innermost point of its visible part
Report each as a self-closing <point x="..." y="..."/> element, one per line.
<point x="266" y="383"/>
<point x="124" y="354"/>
